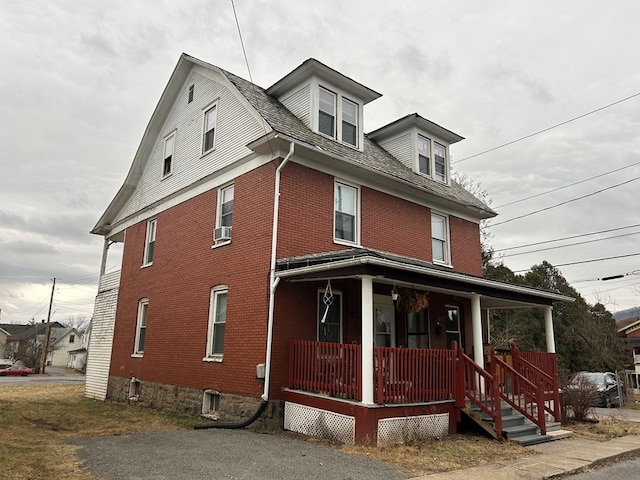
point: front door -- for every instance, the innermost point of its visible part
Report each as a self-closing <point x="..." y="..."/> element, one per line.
<point x="384" y="321"/>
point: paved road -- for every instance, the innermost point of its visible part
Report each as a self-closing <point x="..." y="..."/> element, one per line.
<point x="51" y="375"/>
<point x="629" y="469"/>
<point x="224" y="455"/>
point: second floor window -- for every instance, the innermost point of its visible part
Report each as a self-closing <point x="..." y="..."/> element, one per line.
<point x="217" y="321"/>
<point x="150" y="242"/>
<point x="439" y="236"/>
<point x="169" y="146"/>
<point x="210" y="121"/>
<point x="224" y="219"/>
<point x="345" y="212"/>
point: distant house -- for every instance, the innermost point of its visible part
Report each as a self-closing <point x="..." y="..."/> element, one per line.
<point x="26" y="340"/>
<point x="61" y="342"/>
<point x="631" y="333"/>
<point x="276" y="258"/>
<point x="3" y="341"/>
<point x="77" y="358"/>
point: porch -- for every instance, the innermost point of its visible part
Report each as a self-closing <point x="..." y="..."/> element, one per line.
<point x="416" y="392"/>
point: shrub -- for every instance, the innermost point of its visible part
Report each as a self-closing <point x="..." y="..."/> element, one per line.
<point x="578" y="398"/>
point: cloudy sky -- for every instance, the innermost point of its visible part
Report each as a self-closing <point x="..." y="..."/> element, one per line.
<point x="80" y="80"/>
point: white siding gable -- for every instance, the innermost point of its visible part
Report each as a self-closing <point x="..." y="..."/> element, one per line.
<point x="299" y="103"/>
<point x="401" y="147"/>
<point x="237" y="125"/>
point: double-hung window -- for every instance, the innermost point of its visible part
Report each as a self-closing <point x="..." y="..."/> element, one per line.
<point x="169" y="147"/>
<point x="329" y="317"/>
<point x="349" y="122"/>
<point x="432" y="159"/>
<point x="346" y="213"/>
<point x="217" y="322"/>
<point x="150" y="242"/>
<point x="141" y="327"/>
<point x="327" y="113"/>
<point x="424" y="155"/>
<point x="439" y="237"/>
<point x="210" y="120"/>
<point x="224" y="219"/>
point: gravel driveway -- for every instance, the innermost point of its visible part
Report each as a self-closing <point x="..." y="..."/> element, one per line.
<point x="223" y="454"/>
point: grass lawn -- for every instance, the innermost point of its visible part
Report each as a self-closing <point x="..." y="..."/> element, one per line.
<point x="36" y="422"/>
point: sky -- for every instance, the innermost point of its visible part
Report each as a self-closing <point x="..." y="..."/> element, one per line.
<point x="80" y="80"/>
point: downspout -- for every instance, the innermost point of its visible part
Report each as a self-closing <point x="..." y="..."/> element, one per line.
<point x="273" y="284"/>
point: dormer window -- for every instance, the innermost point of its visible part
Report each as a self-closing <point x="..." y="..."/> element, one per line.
<point x="327" y="113"/>
<point x="432" y="159"/>
<point x="335" y="110"/>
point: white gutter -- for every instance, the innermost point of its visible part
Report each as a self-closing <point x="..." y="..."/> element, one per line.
<point x="273" y="281"/>
<point x="382" y="262"/>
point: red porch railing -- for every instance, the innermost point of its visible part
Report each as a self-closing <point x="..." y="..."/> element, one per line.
<point x="333" y="369"/>
<point x="412" y="375"/>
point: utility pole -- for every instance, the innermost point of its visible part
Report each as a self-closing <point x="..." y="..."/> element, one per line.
<point x="47" y="331"/>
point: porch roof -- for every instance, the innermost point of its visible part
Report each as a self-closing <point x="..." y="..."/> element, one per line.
<point x="396" y="269"/>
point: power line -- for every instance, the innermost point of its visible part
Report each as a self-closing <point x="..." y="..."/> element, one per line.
<point x="567" y="238"/>
<point x="548" y="128"/>
<point x="570" y="244"/>
<point x="564" y="203"/>
<point x="585" y="261"/>
<point x="567" y="186"/>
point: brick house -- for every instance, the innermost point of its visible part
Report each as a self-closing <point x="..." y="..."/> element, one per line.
<point x="278" y="260"/>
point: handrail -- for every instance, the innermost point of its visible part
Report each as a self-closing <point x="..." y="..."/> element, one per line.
<point x="482" y="390"/>
<point x="519" y="392"/>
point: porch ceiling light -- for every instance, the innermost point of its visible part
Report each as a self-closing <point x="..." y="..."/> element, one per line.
<point x="394" y="294"/>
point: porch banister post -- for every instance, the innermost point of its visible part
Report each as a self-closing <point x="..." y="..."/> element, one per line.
<point x="367" y="339"/>
<point x="476" y="324"/>
<point x="548" y="329"/>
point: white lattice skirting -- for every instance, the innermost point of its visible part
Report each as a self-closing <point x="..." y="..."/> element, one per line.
<point x="320" y="423"/>
<point x="407" y="429"/>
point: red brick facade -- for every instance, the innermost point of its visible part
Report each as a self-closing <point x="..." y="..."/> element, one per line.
<point x="185" y="268"/>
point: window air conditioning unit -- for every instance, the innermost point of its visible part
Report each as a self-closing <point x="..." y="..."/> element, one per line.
<point x="222" y="234"/>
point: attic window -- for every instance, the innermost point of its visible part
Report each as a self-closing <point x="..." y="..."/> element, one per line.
<point x="432" y="159"/>
<point x="327" y="112"/>
<point x="190" y="94"/>
<point x="169" y="145"/>
<point x="210" y="120"/>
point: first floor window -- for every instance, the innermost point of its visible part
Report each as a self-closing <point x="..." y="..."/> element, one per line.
<point x="210" y="121"/>
<point x="150" y="242"/>
<point x="141" y="328"/>
<point x="217" y="321"/>
<point x="327" y="113"/>
<point x="345" y="212"/>
<point x="418" y="329"/>
<point x="329" y="317"/>
<point x="439" y="236"/>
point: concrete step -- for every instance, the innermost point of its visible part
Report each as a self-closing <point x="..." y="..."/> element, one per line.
<point x="520" y="431"/>
<point x="534" y="439"/>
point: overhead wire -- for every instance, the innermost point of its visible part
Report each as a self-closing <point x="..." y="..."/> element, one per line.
<point x="548" y="128"/>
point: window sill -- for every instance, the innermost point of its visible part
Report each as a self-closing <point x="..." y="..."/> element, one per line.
<point x="146" y="265"/>
<point x="213" y="359"/>
<point x="221" y="244"/>
<point x="211" y="150"/>
<point x="137" y="355"/>
<point x="442" y="264"/>
<point x="164" y="177"/>
<point x="346" y="243"/>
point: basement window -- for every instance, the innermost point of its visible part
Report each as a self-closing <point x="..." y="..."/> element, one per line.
<point x="211" y="404"/>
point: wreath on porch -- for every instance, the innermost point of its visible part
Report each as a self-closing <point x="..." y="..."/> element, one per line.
<point x="412" y="301"/>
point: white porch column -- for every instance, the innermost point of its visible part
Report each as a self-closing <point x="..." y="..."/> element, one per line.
<point x="548" y="329"/>
<point x="476" y="324"/>
<point x="367" y="339"/>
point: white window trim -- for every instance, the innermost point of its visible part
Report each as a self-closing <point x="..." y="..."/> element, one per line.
<point x="206" y="109"/>
<point x="219" y="213"/>
<point x="320" y="311"/>
<point x="213" y="305"/>
<point x="432" y="158"/>
<point x="447" y="240"/>
<point x="337" y="128"/>
<point x="173" y="154"/>
<point x="141" y="304"/>
<point x="152" y="228"/>
<point x="341" y="241"/>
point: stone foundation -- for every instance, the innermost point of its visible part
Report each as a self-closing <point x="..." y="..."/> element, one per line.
<point x="188" y="401"/>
